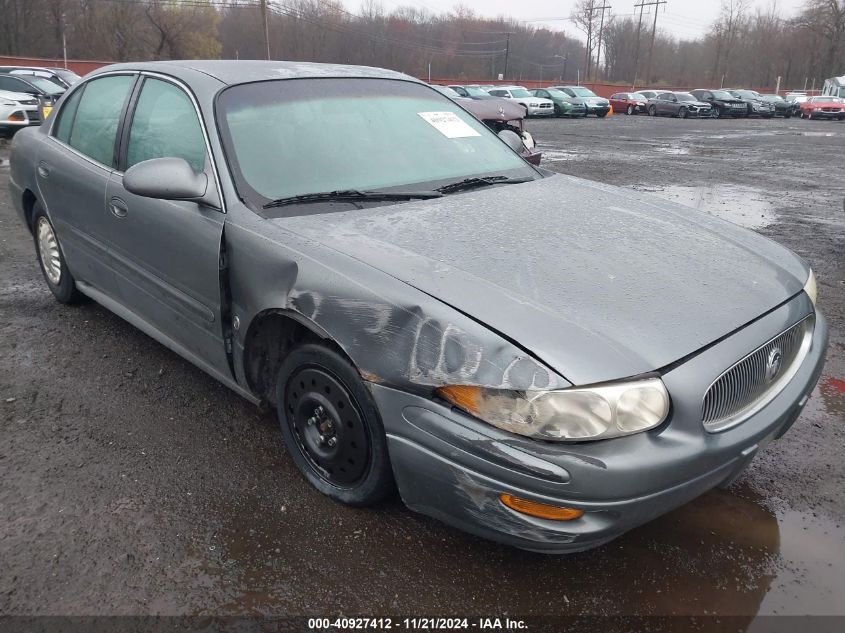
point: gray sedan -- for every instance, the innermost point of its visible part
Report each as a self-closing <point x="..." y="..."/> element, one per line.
<point x="351" y="247"/>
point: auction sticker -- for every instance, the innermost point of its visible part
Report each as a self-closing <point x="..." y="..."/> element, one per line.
<point x="449" y="124"/>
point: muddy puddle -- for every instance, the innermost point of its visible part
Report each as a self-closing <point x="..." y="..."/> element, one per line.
<point x="741" y="205"/>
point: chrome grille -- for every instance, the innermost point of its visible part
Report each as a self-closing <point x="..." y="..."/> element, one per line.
<point x="755" y="380"/>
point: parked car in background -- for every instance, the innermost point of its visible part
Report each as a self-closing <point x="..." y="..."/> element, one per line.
<point x="562" y="105"/>
<point x="678" y="104"/>
<point x="629" y="102"/>
<point x="782" y="106"/>
<point x="823" y="107"/>
<point x="471" y="92"/>
<point x="586" y="97"/>
<point x="534" y="106"/>
<point x="795" y="100"/>
<point x="46" y="91"/>
<point x="60" y="76"/>
<point x="834" y="87"/>
<point x="17" y="110"/>
<point x="755" y="105"/>
<point x="649" y="94"/>
<point x="723" y="102"/>
<point x="397" y="295"/>
<point x="498" y="114"/>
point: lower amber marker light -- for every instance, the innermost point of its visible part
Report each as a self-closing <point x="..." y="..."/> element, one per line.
<point x="540" y="510"/>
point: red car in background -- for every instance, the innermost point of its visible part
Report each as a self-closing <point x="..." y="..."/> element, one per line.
<point x="629" y="102"/>
<point x="824" y="107"/>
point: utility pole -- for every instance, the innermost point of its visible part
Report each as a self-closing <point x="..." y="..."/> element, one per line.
<point x="656" y="4"/>
<point x="639" y="6"/>
<point x="598" y="51"/>
<point x="266" y="27"/>
<point x="507" y="54"/>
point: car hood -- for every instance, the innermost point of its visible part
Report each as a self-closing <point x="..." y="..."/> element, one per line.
<point x="700" y="104"/>
<point x="615" y="285"/>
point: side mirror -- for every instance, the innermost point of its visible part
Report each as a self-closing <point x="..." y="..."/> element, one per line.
<point x="168" y="179"/>
<point x="512" y="139"/>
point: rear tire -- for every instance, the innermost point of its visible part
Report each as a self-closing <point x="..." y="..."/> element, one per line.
<point x="52" y="259"/>
<point x="601" y="115"/>
<point x="332" y="427"/>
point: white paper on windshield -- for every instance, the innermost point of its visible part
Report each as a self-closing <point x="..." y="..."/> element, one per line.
<point x="449" y="124"/>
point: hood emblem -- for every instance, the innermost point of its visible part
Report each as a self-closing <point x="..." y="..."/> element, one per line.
<point x="773" y="364"/>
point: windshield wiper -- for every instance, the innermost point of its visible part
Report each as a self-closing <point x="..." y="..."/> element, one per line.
<point x="483" y="181"/>
<point x="352" y="195"/>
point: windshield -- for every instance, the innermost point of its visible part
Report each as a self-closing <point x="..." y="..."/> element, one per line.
<point x="45" y="85"/>
<point x="746" y="94"/>
<point x="293" y="137"/>
<point x="446" y="90"/>
<point x="520" y="92"/>
<point x="557" y="94"/>
<point x="69" y="76"/>
<point x="582" y="92"/>
<point x="723" y="94"/>
<point x="637" y="95"/>
<point x="773" y="97"/>
<point x="685" y="96"/>
<point x="476" y="92"/>
<point x="825" y="100"/>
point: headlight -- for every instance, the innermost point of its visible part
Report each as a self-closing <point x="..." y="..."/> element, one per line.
<point x="575" y="414"/>
<point x="811" y="288"/>
<point x="533" y="105"/>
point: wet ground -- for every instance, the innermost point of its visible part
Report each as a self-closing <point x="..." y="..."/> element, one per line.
<point x="134" y="484"/>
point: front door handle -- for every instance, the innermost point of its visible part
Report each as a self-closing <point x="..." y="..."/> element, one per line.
<point x="43" y="170"/>
<point x="118" y="207"/>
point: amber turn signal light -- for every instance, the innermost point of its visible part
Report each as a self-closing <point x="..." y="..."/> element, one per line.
<point x="540" y="510"/>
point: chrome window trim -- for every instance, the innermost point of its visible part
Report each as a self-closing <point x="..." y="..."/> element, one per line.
<point x="774" y="390"/>
<point x="187" y="90"/>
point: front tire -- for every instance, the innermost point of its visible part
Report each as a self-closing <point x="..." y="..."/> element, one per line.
<point x="682" y="112"/>
<point x="332" y="427"/>
<point x="652" y="111"/>
<point x="630" y="110"/>
<point x="51" y="259"/>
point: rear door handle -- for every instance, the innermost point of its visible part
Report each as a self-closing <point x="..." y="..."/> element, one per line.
<point x="43" y="170"/>
<point x="118" y="207"/>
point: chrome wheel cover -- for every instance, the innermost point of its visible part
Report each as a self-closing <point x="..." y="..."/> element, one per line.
<point x="48" y="249"/>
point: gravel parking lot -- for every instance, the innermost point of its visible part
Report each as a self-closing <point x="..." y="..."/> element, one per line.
<point x="135" y="484"/>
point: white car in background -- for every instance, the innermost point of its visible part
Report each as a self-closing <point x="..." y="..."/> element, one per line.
<point x="534" y="106"/>
<point x="17" y="110"/>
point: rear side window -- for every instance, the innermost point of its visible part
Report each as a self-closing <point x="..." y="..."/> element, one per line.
<point x="165" y="125"/>
<point x="65" y="121"/>
<point x="97" y="117"/>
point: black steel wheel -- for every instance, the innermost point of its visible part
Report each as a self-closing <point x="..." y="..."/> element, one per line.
<point x="630" y="110"/>
<point x="331" y="426"/>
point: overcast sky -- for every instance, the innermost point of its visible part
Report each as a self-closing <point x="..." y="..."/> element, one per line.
<point x="684" y="18"/>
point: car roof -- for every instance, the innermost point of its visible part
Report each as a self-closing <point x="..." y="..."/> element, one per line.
<point x="232" y="72"/>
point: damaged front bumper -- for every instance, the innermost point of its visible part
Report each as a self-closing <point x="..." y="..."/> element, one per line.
<point x="453" y="467"/>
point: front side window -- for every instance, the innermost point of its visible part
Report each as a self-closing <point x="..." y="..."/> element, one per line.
<point x="292" y="137"/>
<point x="666" y="96"/>
<point x="98" y="115"/>
<point x="583" y="92"/>
<point x="165" y="125"/>
<point x="685" y="96"/>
